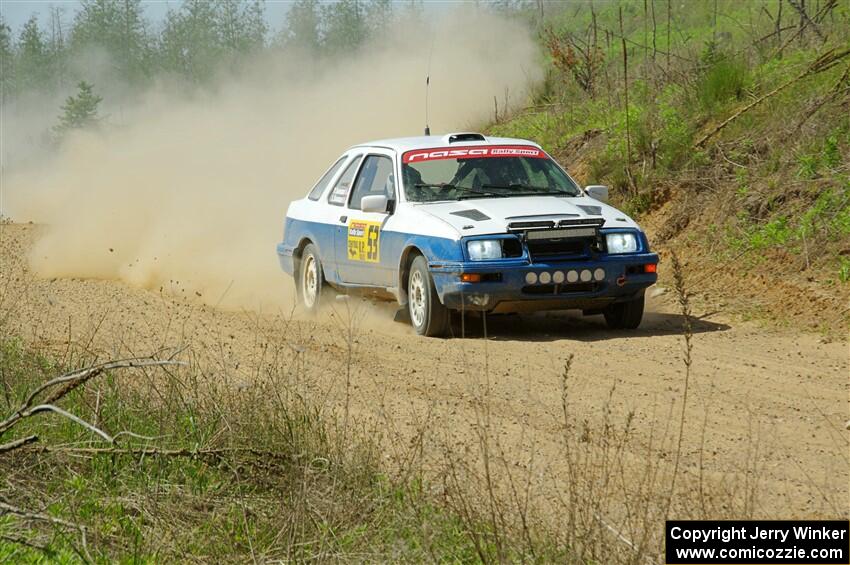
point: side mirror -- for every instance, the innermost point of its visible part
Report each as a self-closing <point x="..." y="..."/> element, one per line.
<point x="597" y="192"/>
<point x="375" y="203"/>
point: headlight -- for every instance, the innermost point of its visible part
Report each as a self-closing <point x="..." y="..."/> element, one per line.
<point x="483" y="249"/>
<point x="621" y="242"/>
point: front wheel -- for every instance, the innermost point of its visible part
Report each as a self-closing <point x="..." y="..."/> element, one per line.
<point x="310" y="280"/>
<point x="625" y="315"/>
<point x="427" y="314"/>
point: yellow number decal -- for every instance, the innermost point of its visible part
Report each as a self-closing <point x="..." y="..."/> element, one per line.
<point x="363" y="240"/>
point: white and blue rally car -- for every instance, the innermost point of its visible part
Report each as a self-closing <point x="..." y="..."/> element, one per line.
<point x="465" y="223"/>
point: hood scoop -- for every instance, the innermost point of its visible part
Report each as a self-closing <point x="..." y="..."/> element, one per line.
<point x="476" y="215"/>
<point x="592" y="210"/>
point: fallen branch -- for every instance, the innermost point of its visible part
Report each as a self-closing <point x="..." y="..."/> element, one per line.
<point x="35" y="516"/>
<point x="822" y="63"/>
<point x="65" y="414"/>
<point x="18" y="443"/>
<point x="24" y="542"/>
<point x="71" y="381"/>
<point x="155" y="451"/>
<point x="836" y="91"/>
<point x="38" y="517"/>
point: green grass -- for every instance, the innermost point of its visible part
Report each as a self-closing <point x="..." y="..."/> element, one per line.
<point x="724" y="80"/>
<point x="305" y="494"/>
<point x="844" y="269"/>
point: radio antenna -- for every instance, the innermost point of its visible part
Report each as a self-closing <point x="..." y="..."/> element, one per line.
<point x="427" y="86"/>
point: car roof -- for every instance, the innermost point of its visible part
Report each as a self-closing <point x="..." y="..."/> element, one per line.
<point x="454" y="139"/>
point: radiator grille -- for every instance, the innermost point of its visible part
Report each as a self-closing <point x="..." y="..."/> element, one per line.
<point x="548" y="249"/>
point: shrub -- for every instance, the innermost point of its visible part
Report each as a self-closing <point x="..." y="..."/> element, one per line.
<point x="725" y="79"/>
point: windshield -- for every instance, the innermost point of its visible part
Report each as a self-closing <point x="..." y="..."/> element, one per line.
<point x="458" y="173"/>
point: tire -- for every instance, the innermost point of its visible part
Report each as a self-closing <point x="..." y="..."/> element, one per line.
<point x="310" y="282"/>
<point x="428" y="316"/>
<point x="625" y="315"/>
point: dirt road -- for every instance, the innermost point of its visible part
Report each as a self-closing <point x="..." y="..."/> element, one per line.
<point x="765" y="414"/>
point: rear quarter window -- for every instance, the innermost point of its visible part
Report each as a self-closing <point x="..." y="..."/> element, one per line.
<point x="320" y="187"/>
<point x="339" y="194"/>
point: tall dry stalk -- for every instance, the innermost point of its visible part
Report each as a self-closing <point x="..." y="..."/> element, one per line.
<point x="683" y="300"/>
<point x="626" y="97"/>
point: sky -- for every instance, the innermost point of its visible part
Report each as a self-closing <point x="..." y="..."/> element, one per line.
<point x="17" y="12"/>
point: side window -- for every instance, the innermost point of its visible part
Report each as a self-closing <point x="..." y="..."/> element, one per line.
<point x="375" y="178"/>
<point x="340" y="190"/>
<point x="320" y="187"/>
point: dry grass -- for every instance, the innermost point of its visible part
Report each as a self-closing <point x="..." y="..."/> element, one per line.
<point x="265" y="467"/>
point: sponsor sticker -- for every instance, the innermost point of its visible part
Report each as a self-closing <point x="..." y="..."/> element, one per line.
<point x="363" y="241"/>
<point x="439" y="153"/>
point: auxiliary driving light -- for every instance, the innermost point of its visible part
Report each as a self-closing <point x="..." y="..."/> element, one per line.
<point x="586" y="276"/>
<point x="545" y="278"/>
<point x="531" y="278"/>
<point x="598" y="274"/>
<point x="558" y="277"/>
<point x="572" y="276"/>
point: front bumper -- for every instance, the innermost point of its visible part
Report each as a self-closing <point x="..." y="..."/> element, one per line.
<point x="285" y="255"/>
<point x="506" y="285"/>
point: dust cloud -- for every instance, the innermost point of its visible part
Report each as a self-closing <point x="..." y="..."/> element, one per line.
<point x="189" y="194"/>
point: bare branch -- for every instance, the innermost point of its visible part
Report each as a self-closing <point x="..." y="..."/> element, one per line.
<point x="90" y="372"/>
<point x="35" y="516"/>
<point x="71" y="381"/>
<point x="154" y="451"/>
<point x="137" y="436"/>
<point x="18" y="443"/>
<point x="38" y="517"/>
<point x="77" y="420"/>
<point x="822" y="63"/>
<point x="803" y="15"/>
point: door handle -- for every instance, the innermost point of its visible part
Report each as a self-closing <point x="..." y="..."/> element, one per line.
<point x="343" y="219"/>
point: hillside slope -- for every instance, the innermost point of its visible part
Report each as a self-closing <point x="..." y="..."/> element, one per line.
<point x="734" y="152"/>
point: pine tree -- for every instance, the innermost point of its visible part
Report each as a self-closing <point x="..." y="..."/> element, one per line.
<point x="231" y="25"/>
<point x="345" y="25"/>
<point x="379" y="16"/>
<point x="242" y="27"/>
<point x="118" y="27"/>
<point x="303" y="22"/>
<point x="32" y="71"/>
<point x="256" y="28"/>
<point x="79" y="111"/>
<point x="190" y="44"/>
<point x="59" y="68"/>
<point x="7" y="61"/>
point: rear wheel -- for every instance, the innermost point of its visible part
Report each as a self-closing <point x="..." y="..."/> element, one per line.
<point x="310" y="281"/>
<point x="625" y="315"/>
<point x="428" y="316"/>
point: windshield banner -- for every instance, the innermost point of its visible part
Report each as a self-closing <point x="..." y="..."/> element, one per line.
<point x="438" y="153"/>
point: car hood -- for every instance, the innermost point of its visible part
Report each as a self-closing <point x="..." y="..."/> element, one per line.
<point x="481" y="216"/>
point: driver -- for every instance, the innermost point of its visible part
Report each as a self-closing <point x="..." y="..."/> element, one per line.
<point x="479" y="172"/>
